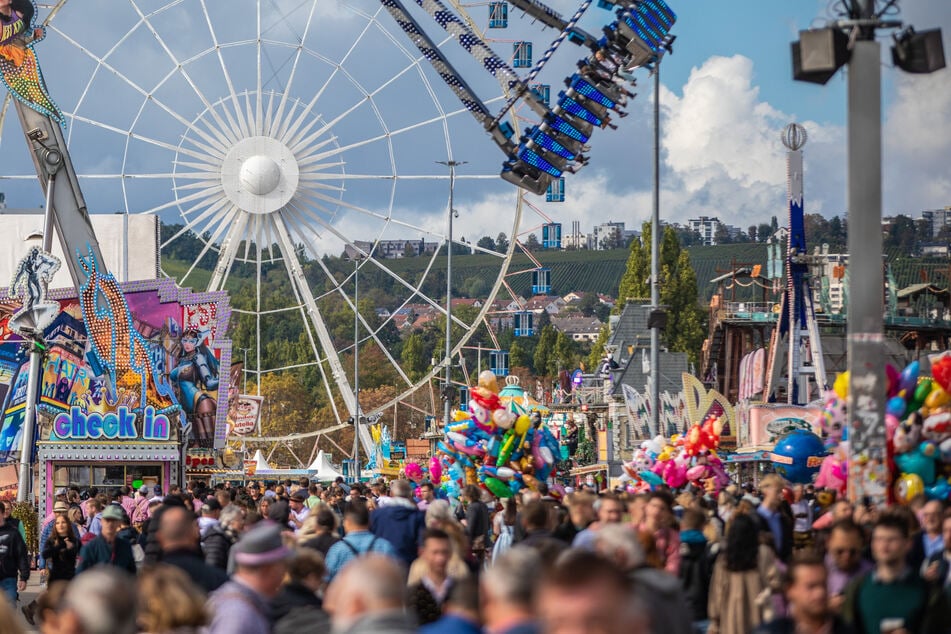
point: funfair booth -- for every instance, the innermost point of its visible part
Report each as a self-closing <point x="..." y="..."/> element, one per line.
<point x="132" y="376"/>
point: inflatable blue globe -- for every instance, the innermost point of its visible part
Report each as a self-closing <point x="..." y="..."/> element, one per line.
<point x="798" y="456"/>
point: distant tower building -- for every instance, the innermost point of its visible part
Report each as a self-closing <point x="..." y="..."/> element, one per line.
<point x="937" y="218"/>
<point x="707" y="227"/>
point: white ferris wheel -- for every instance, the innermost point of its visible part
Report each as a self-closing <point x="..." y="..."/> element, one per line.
<point x="272" y="133"/>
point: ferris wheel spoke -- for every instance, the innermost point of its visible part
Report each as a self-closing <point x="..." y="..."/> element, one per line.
<point x="149" y="96"/>
<point x="198" y="167"/>
<point x="258" y="122"/>
<point x="227" y="253"/>
<point x="391" y="134"/>
<point x="175" y="61"/>
<point x="299" y="281"/>
<point x="277" y="122"/>
<point x="224" y="223"/>
<point x="210" y="207"/>
<point x="233" y="124"/>
<point x="137" y="136"/>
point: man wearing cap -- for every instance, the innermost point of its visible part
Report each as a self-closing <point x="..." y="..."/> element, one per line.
<point x="140" y="509"/>
<point x="242" y="605"/>
<point x="210" y="512"/>
<point x="299" y="510"/>
<point x="107" y="548"/>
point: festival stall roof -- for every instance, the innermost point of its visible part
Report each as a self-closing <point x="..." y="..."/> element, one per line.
<point x="322" y="470"/>
<point x="260" y="464"/>
<point x="518" y="400"/>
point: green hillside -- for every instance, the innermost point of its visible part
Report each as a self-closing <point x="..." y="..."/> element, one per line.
<point x="595" y="271"/>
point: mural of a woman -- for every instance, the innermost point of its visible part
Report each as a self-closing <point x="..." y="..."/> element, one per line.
<point x="195" y="375"/>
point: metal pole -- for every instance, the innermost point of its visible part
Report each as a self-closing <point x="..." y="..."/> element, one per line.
<point x="244" y="370"/>
<point x="447" y="379"/>
<point x="356" y="368"/>
<point x="655" y="261"/>
<point x="25" y="483"/>
<point x="869" y="476"/>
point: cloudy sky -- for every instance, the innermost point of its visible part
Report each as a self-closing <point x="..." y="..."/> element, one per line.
<point x="155" y="89"/>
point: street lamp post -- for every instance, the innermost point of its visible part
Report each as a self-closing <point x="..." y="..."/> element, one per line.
<point x="655" y="261"/>
<point x="447" y="381"/>
<point x="244" y="370"/>
<point x="356" y="367"/>
<point x="817" y="56"/>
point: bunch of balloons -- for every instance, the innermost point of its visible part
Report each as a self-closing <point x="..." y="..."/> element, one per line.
<point x="687" y="459"/>
<point x="492" y="447"/>
<point x="918" y="429"/>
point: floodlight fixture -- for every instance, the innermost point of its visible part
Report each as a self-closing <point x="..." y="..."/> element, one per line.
<point x="919" y="52"/>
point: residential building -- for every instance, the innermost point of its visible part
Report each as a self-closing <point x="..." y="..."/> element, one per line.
<point x="707" y="227"/>
<point x="391" y="249"/>
<point x="607" y="235"/>
<point x="829" y="280"/>
<point x="938" y="218"/>
<point x="579" y="328"/>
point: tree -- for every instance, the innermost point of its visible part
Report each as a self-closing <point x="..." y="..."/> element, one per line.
<point x="588" y="306"/>
<point x="518" y="356"/>
<point x="486" y="242"/>
<point x="763" y="232"/>
<point x="532" y="242"/>
<point x="563" y="355"/>
<point x="722" y="234"/>
<point x="545" y="350"/>
<point x="685" y="329"/>
<point x="598" y="348"/>
<point x="901" y="235"/>
<point x="501" y="242"/>
<point x="415" y="356"/>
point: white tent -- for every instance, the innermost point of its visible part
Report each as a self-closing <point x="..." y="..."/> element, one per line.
<point x="260" y="463"/>
<point x="322" y="469"/>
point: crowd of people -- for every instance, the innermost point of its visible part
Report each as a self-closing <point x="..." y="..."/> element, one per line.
<point x="397" y="557"/>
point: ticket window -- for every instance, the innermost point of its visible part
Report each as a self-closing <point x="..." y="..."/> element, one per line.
<point x="107" y="476"/>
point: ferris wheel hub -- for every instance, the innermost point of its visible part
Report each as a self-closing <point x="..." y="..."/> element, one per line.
<point x="260" y="174"/>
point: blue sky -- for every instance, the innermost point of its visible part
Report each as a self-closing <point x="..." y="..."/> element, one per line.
<point x="728" y="91"/>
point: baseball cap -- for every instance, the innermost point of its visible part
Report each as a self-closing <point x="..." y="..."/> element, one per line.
<point x="300" y="494"/>
<point x="113" y="512"/>
<point x="62" y="491"/>
<point x="144" y="489"/>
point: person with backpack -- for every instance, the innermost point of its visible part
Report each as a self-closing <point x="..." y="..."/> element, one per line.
<point x="358" y="539"/>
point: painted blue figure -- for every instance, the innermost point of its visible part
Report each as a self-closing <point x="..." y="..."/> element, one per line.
<point x="195" y="375"/>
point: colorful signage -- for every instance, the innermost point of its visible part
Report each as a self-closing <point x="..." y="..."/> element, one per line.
<point x="120" y="425"/>
<point x="124" y="362"/>
<point x="244" y="414"/>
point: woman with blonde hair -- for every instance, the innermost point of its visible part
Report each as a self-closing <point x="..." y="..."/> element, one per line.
<point x="439" y="515"/>
<point x="170" y="602"/>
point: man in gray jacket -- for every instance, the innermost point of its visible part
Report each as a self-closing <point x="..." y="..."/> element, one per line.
<point x="242" y="605"/>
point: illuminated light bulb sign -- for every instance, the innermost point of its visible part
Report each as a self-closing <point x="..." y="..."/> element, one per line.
<point x="76" y="425"/>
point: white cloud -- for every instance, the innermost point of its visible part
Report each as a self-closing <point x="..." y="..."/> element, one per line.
<point x="917" y="143"/>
